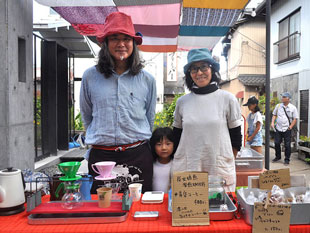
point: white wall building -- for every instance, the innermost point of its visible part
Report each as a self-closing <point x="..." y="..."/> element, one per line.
<point x="290" y="57"/>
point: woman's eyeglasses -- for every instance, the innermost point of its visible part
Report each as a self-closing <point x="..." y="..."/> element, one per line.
<point x="202" y="68"/>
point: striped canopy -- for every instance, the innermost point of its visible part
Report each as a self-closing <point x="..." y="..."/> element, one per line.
<point x="166" y="25"/>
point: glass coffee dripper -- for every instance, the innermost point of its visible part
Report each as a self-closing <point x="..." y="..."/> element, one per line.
<point x="72" y="197"/>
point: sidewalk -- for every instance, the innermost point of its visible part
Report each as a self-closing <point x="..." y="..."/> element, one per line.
<point x="296" y="165"/>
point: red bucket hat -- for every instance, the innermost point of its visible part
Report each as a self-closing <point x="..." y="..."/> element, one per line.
<point x="118" y="22"/>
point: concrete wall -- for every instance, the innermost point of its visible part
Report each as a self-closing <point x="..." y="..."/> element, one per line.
<point x="16" y="97"/>
<point x="286" y="83"/>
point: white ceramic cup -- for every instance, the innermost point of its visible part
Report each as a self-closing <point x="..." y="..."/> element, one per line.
<point x="135" y="190"/>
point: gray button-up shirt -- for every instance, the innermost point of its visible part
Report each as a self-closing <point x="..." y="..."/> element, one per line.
<point x="117" y="110"/>
<point x="282" y="121"/>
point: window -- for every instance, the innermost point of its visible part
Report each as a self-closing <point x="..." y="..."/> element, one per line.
<point x="288" y="46"/>
<point x="21" y="60"/>
<point x="304" y="108"/>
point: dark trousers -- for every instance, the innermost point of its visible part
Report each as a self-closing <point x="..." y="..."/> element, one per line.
<point x="132" y="166"/>
<point x="279" y="136"/>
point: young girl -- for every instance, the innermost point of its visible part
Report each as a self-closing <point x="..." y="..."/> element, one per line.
<point x="255" y="122"/>
<point x="162" y="146"/>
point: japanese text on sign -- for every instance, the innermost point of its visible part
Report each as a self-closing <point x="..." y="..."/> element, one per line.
<point x="190" y="200"/>
<point x="280" y="177"/>
<point x="274" y="218"/>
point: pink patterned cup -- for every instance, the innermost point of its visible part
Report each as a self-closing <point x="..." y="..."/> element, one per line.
<point x="104" y="168"/>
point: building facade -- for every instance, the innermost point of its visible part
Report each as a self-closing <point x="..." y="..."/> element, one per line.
<point x="245" y="52"/>
<point x="16" y="86"/>
<point x="290" y="57"/>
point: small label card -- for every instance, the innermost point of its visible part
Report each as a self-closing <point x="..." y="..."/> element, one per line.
<point x="280" y="177"/>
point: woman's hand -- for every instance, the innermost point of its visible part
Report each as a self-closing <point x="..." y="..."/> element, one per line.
<point x="235" y="151"/>
<point x="250" y="138"/>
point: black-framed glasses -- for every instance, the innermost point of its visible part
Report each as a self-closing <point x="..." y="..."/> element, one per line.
<point x="116" y="39"/>
<point x="202" y="68"/>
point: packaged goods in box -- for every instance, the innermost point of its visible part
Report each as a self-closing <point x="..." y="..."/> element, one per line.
<point x="249" y="160"/>
<point x="299" y="211"/>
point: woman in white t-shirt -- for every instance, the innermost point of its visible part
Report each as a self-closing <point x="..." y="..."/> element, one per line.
<point x="255" y="122"/>
<point x="207" y="122"/>
<point x="162" y="146"/>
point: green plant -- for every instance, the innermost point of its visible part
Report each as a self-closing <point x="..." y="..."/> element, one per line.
<point x="38" y="109"/>
<point x="303" y="138"/>
<point x="262" y="103"/>
<point x="37" y="120"/>
<point x="165" y="117"/>
<point x="78" y="123"/>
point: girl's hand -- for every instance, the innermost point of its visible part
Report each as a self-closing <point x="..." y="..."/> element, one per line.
<point x="249" y="138"/>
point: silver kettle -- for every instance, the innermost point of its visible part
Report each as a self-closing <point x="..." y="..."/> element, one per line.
<point x="12" y="196"/>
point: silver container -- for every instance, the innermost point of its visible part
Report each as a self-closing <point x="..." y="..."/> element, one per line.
<point x="253" y="162"/>
<point x="215" y="213"/>
<point x="299" y="211"/>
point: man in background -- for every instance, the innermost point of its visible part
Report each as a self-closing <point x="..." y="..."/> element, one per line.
<point x="286" y="115"/>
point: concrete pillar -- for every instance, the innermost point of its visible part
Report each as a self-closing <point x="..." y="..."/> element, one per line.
<point x="16" y="85"/>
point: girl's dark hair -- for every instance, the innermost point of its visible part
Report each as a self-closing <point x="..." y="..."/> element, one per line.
<point x="256" y="109"/>
<point x="158" y="135"/>
<point x="106" y="62"/>
<point x="216" y="77"/>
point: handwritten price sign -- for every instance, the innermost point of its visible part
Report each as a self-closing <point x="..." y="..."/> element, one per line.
<point x="280" y="177"/>
<point x="273" y="219"/>
<point x="190" y="199"/>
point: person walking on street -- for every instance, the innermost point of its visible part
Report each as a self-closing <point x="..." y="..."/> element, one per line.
<point x="286" y="116"/>
<point x="255" y="122"/>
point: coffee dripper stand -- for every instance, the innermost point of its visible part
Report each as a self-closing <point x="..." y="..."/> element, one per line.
<point x="34" y="199"/>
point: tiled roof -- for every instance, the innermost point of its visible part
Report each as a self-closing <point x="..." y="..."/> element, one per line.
<point x="252" y="79"/>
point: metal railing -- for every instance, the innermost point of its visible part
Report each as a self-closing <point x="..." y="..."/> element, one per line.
<point x="288" y="48"/>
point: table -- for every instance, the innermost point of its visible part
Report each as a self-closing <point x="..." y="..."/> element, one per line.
<point x="18" y="224"/>
<point x="242" y="177"/>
